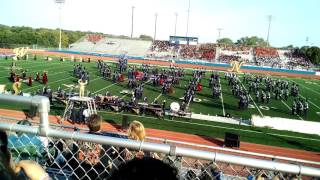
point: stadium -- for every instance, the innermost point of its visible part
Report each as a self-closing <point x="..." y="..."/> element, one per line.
<point x="70" y="101"/>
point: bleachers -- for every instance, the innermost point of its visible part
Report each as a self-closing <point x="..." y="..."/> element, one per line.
<point x="261" y="56"/>
<point x="235" y="52"/>
<point x="163" y="50"/>
<point x="113" y="46"/>
<point x="267" y="56"/>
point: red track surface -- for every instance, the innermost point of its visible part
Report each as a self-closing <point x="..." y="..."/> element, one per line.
<point x="250" y="147"/>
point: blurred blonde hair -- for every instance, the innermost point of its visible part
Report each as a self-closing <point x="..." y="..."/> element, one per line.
<point x="136" y="131"/>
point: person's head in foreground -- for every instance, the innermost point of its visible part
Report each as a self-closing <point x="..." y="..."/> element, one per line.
<point x="136" y="131"/>
<point x="145" y="168"/>
<point x="94" y="123"/>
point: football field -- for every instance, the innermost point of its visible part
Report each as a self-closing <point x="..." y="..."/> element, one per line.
<point x="60" y="73"/>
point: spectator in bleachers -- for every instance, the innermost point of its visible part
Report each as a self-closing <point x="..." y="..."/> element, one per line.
<point x="164" y="49"/>
<point x="297" y="59"/>
<point x="90" y="155"/>
<point x="207" y="51"/>
<point x="228" y="58"/>
<point x="266" y="56"/>
<point x="226" y="47"/>
<point x="135" y="132"/>
<point x="94" y="38"/>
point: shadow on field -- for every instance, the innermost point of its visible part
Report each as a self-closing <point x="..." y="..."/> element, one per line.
<point x="311" y="146"/>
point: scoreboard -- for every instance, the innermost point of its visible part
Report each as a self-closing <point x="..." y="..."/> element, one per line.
<point x="183" y="40"/>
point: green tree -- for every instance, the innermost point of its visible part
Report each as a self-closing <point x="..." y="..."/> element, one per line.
<point x="225" y="41"/>
<point x="145" y="37"/>
<point x="15" y="36"/>
<point x="252" y="41"/>
<point x="313" y="54"/>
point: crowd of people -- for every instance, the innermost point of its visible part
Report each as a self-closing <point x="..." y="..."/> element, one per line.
<point x="266" y="56"/>
<point x="202" y="51"/>
<point x="296" y="59"/>
<point x="236" y="48"/>
<point x="262" y="56"/>
<point x="228" y="58"/>
<point x="94" y="38"/>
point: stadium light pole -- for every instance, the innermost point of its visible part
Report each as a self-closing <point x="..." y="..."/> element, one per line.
<point x="155" y="26"/>
<point x="60" y="3"/>
<point x="132" y="21"/>
<point x="269" y="25"/>
<point x="219" y="32"/>
<point x="175" y="24"/>
<point x="188" y="20"/>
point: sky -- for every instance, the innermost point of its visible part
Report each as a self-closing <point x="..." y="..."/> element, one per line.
<point x="293" y="21"/>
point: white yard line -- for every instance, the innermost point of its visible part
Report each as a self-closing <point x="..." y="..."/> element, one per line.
<point x="252" y="99"/>
<point x="48" y="83"/>
<point x="28" y="67"/>
<point x="301" y="85"/>
<point x="222" y="103"/>
<point x="51" y="69"/>
<point x="157" y="97"/>
<point x="125" y="95"/>
<point x="105" y="88"/>
<point x="290" y="108"/>
<point x="308" y="89"/>
<point x="310" y="102"/>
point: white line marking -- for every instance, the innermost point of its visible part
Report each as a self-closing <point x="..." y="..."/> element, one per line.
<point x="251" y="98"/>
<point x="300" y="85"/>
<point x="290" y="108"/>
<point x="157" y="97"/>
<point x="223" y="110"/>
<point x="48" y="83"/>
<point x="105" y="88"/>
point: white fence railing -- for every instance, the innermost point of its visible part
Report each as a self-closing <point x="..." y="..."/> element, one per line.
<point x="58" y="150"/>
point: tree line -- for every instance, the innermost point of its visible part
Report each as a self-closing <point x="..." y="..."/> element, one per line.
<point x="11" y="37"/>
<point x="16" y="36"/>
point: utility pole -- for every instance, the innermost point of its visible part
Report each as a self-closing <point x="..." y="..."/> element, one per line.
<point x="175" y="24"/>
<point x="132" y="21"/>
<point x="155" y="27"/>
<point x="188" y="20"/>
<point x="269" y="20"/>
<point x="219" y="32"/>
<point x="60" y="3"/>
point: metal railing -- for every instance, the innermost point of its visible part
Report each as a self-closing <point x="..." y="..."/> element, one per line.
<point x="59" y="151"/>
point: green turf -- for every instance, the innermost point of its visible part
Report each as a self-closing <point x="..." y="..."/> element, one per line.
<point x="61" y="73"/>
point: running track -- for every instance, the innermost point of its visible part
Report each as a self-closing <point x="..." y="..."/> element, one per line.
<point x="250" y="147"/>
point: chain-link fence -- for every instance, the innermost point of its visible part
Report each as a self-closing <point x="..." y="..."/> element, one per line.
<point x="79" y="156"/>
<point x="71" y="153"/>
